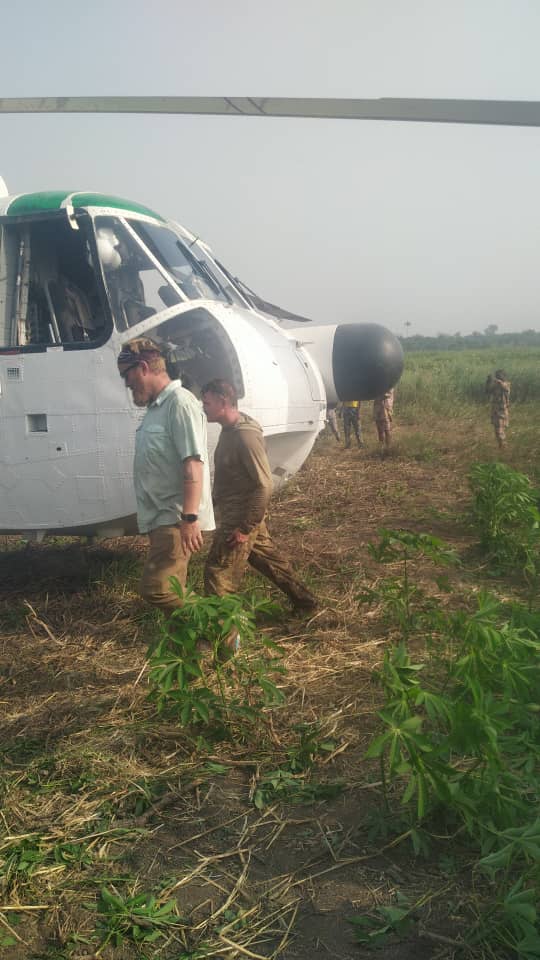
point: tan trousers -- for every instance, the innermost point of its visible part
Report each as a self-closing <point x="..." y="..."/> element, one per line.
<point x="384" y="429"/>
<point x="166" y="558"/>
<point x="500" y="422"/>
<point x="226" y="565"/>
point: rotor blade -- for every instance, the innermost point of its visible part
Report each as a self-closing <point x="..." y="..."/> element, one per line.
<point x="525" y="113"/>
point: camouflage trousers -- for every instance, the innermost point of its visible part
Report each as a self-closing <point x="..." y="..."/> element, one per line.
<point x="166" y="558"/>
<point x="351" y="421"/>
<point x="226" y="565"/>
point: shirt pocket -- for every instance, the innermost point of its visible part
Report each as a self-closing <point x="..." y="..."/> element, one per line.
<point x="152" y="444"/>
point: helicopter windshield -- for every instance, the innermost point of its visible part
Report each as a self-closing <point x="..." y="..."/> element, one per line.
<point x="194" y="276"/>
<point x="137" y="285"/>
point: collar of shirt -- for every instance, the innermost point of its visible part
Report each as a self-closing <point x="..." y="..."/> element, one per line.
<point x="164" y="394"/>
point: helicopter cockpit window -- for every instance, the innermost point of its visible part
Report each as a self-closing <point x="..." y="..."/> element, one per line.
<point x="194" y="277"/>
<point x="48" y="289"/>
<point x="137" y="288"/>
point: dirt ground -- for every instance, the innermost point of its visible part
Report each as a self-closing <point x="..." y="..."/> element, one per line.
<point x="81" y="745"/>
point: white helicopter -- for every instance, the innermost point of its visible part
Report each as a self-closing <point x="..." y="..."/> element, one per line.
<point x="81" y="273"/>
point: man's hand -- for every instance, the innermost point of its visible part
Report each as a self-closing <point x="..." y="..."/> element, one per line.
<point x="237" y="537"/>
<point x="191" y="536"/>
<point x="190" y="533"/>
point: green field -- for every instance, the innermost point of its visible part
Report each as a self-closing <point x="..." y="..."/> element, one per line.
<point x="446" y="383"/>
<point x="441" y="399"/>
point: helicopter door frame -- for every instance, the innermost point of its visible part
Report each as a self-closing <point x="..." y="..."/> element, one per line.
<point x="157" y="263"/>
<point x="66" y="215"/>
<point x="119" y="216"/>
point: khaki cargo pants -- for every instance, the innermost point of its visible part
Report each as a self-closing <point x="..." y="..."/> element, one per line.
<point x="384" y="428"/>
<point x="500" y="422"/>
<point x="166" y="558"/>
<point x="226" y="565"/>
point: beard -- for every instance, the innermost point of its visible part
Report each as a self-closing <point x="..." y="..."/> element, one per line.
<point x="139" y="401"/>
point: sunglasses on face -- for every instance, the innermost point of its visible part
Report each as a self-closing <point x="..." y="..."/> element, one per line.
<point x="123" y="373"/>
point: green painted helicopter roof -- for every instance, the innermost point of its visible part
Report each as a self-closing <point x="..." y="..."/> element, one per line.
<point x="28" y="203"/>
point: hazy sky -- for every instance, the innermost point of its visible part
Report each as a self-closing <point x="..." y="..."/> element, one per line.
<point x="437" y="225"/>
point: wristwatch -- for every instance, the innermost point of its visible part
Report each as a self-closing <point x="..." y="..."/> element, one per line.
<point x="189" y="517"/>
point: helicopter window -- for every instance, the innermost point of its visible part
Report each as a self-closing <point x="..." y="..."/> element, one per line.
<point x="48" y="288"/>
<point x="37" y="423"/>
<point x="218" y="271"/>
<point x="200" y="348"/>
<point x="193" y="276"/>
<point x="137" y="288"/>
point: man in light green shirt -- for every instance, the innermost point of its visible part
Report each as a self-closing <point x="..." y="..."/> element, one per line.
<point x="171" y="473"/>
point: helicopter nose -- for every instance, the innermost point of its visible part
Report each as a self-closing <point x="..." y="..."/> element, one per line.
<point x="357" y="361"/>
<point x="367" y="360"/>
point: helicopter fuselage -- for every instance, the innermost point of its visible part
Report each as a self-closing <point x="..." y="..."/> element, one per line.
<point x="67" y="303"/>
<point x="82" y="273"/>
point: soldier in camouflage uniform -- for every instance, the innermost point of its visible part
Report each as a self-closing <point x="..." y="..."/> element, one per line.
<point x="382" y="415"/>
<point x="242" y="489"/>
<point x="350" y="412"/>
<point x="498" y="391"/>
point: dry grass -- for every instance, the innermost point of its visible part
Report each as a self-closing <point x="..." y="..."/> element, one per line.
<point x="102" y="791"/>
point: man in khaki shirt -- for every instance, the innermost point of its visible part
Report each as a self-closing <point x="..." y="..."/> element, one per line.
<point x="242" y="489"/>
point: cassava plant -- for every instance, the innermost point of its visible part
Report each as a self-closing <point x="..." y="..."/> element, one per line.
<point x="505" y="511"/>
<point x="192" y="673"/>
<point x="460" y="748"/>
<point x="464" y="740"/>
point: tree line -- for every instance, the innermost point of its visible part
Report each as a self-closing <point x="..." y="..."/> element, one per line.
<point x="472" y="341"/>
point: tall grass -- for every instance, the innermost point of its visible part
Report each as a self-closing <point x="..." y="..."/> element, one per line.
<point x="451" y="384"/>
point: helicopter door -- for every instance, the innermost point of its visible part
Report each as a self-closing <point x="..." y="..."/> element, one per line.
<point x="49" y="292"/>
<point x="14" y="265"/>
<point x="69" y="308"/>
<point x="314" y="382"/>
